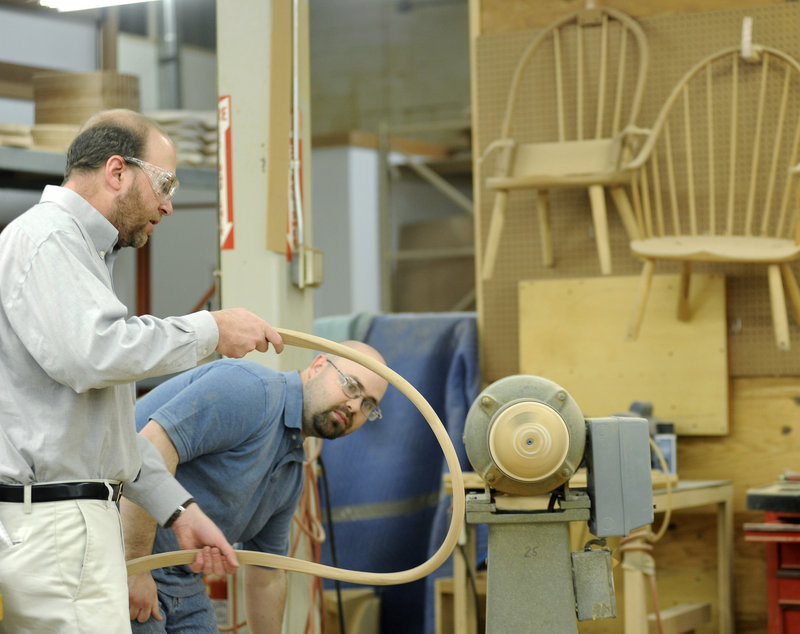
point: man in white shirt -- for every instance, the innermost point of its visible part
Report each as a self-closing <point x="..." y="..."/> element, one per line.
<point x="69" y="356"/>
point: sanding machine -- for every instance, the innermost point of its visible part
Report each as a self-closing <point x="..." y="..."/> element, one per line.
<point x="526" y="437"/>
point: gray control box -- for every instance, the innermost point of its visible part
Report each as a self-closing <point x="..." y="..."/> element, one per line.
<point x="619" y="483"/>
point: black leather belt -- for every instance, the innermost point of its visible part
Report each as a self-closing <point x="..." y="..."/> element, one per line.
<point x="61" y="491"/>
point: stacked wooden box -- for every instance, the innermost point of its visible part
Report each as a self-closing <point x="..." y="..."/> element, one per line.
<point x="193" y="132"/>
<point x="64" y="101"/>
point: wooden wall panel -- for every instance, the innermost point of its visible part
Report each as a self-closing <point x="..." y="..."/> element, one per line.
<point x="764" y="427"/>
<point x="763" y="442"/>
<point x="677" y="41"/>
<point x="502" y="16"/>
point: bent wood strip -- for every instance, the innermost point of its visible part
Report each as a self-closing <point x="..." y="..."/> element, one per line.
<point x="302" y="340"/>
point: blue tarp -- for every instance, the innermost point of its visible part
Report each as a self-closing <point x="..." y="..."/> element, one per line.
<point x="386" y="480"/>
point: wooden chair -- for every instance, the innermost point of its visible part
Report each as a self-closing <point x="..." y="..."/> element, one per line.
<point x="581" y="82"/>
<point x="716" y="179"/>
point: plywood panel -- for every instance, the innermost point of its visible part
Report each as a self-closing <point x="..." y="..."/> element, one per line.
<point x="764" y="439"/>
<point x="572" y="331"/>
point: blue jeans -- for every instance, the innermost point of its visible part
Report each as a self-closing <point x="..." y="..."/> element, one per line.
<point x="181" y="615"/>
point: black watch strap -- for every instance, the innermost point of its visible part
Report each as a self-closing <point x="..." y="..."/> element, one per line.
<point x="178" y="512"/>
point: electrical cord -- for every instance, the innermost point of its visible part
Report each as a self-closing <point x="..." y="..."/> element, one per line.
<point x="668" y="513"/>
<point x="306" y="518"/>
<point x="472" y="582"/>
<point x="332" y="541"/>
<point x="551" y="503"/>
<point x="642" y="540"/>
<point x="639" y="540"/>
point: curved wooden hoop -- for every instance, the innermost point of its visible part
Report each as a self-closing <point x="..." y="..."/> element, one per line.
<point x="302" y="340"/>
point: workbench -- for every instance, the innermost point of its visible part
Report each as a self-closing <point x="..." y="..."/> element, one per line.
<point x="780" y="531"/>
<point x="685" y="494"/>
<point x="693" y="494"/>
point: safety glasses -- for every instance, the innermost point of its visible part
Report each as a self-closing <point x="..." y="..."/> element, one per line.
<point x="164" y="183"/>
<point x="353" y="389"/>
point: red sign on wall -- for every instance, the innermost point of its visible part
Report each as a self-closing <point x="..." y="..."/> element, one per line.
<point x="225" y="173"/>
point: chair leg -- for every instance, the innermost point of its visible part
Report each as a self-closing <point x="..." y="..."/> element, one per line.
<point x="642" y="292"/>
<point x="792" y="289"/>
<point x="543" y="198"/>
<point x="625" y="211"/>
<point x="684" y="310"/>
<point x="597" y="199"/>
<point x="780" y="320"/>
<point x="495" y="231"/>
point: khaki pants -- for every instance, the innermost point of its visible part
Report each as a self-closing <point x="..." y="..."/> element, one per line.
<point x="66" y="569"/>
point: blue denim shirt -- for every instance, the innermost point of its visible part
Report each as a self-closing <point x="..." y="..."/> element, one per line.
<point x="236" y="426"/>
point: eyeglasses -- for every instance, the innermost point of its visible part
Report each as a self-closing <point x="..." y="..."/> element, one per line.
<point x="164" y="183"/>
<point x="353" y="389"/>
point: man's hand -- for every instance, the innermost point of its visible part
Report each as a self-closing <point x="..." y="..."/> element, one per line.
<point x="194" y="529"/>
<point x="240" y="332"/>
<point x="143" y="598"/>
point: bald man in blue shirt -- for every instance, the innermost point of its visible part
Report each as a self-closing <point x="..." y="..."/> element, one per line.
<point x="232" y="432"/>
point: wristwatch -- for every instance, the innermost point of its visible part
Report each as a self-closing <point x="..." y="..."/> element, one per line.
<point x="178" y="512"/>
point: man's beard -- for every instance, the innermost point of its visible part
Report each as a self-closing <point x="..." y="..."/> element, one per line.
<point x="124" y="216"/>
<point x="326" y="424"/>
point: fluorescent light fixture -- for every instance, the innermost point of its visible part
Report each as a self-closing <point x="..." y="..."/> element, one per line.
<point x="81" y="5"/>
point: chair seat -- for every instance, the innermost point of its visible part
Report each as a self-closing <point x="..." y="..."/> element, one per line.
<point x="717" y="249"/>
<point x="531" y="181"/>
<point x="563" y="164"/>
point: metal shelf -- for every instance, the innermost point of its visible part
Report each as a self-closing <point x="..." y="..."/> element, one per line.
<point x="21" y="168"/>
<point x="30" y="169"/>
<point x="434" y="170"/>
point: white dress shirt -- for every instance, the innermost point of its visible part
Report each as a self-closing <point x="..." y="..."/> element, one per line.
<point x="69" y="352"/>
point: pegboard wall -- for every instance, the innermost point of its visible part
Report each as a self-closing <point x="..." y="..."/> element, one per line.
<point x="677" y="42"/>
